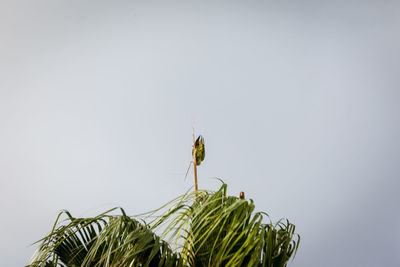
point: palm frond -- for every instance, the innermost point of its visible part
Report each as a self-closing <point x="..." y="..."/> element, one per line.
<point x="200" y="228"/>
<point x="104" y="240"/>
<point x="213" y="229"/>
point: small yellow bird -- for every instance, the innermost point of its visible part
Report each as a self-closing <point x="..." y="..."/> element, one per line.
<point x="200" y="150"/>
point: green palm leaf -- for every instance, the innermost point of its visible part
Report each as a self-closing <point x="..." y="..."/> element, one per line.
<point x="202" y="229"/>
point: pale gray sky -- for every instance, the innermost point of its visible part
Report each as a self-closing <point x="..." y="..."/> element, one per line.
<point x="298" y="103"/>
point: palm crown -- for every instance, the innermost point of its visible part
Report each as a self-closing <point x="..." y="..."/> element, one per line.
<point x="203" y="229"/>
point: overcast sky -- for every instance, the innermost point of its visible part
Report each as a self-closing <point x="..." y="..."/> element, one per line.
<point x="298" y="103"/>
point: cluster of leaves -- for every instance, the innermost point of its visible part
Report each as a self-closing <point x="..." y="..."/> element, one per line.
<point x="202" y="229"/>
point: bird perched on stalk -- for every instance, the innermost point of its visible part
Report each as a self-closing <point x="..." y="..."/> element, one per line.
<point x="199" y="150"/>
<point x="241" y="195"/>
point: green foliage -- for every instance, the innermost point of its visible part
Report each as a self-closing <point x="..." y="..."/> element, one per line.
<point x="203" y="229"/>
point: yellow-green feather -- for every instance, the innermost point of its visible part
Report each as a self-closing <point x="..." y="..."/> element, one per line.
<point x="200" y="150"/>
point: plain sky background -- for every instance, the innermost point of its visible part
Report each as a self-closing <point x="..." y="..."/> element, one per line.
<point x="298" y="103"/>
